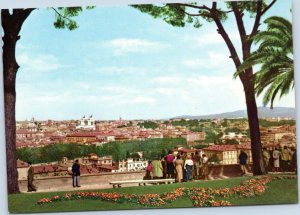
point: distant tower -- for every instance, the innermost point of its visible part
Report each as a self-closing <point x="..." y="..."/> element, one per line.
<point x="50" y="122"/>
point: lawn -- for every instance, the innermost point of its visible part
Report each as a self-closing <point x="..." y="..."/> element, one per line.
<point x="279" y="191"/>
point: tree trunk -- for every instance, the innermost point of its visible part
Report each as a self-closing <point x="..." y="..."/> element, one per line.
<point x="11" y="24"/>
<point x="256" y="147"/>
<point x="10" y="68"/>
<point x="247" y="80"/>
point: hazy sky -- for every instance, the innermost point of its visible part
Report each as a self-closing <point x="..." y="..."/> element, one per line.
<point x="120" y="62"/>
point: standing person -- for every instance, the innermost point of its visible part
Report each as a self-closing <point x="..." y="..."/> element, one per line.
<point x="197" y="163"/>
<point x="178" y="168"/>
<point x="286" y="158"/>
<point x="243" y="161"/>
<point x="294" y="161"/>
<point x="266" y="157"/>
<point x="148" y="171"/>
<point x="76" y="174"/>
<point x="157" y="169"/>
<point x="183" y="157"/>
<point x="188" y="166"/>
<point x="205" y="166"/>
<point x="31" y="187"/>
<point x="170" y="165"/>
<point x="276" y="156"/>
<point x="164" y="165"/>
<point x="271" y="161"/>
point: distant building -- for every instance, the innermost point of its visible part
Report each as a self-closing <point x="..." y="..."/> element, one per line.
<point x="222" y="154"/>
<point x="131" y="165"/>
<point x="94" y="160"/>
<point x="227" y="154"/>
<point x="92" y="164"/>
<point x="49" y="170"/>
<point x="87" y="123"/>
<point x="240" y="138"/>
<point x="25" y="134"/>
<point x="84" y="137"/>
<point x="192" y="137"/>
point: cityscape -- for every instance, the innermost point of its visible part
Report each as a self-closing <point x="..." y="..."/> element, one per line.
<point x="221" y="139"/>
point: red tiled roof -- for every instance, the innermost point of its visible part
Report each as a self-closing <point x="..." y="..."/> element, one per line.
<point x="87" y="169"/>
<point x="83" y="134"/>
<point x="91" y="134"/>
<point x="24" y="144"/>
<point x="244" y="146"/>
<point x="24" y="131"/>
<point x="188" y="150"/>
<point x="49" y="168"/>
<point x="107" y="167"/>
<point x="221" y="148"/>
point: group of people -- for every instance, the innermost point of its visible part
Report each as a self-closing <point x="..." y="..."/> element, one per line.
<point x="185" y="167"/>
<point x="182" y="167"/>
<point x="284" y="160"/>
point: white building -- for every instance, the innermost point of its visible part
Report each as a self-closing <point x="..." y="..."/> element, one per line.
<point x="87" y="123"/>
<point x="232" y="135"/>
<point x="131" y="165"/>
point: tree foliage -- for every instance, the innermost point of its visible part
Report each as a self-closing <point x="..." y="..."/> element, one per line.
<point x="64" y="17"/>
<point x="148" y="124"/>
<point x="151" y="148"/>
<point x="173" y="14"/>
<point x="230" y="142"/>
<point x="275" y="56"/>
<point x="267" y="123"/>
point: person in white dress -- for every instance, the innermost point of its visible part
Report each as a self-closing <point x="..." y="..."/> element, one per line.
<point x="276" y="156"/>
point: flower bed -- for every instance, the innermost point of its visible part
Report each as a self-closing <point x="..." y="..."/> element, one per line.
<point x="201" y="197"/>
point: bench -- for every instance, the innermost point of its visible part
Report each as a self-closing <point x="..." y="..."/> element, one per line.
<point x="142" y="182"/>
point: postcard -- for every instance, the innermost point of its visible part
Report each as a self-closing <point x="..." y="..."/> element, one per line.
<point x="149" y="106"/>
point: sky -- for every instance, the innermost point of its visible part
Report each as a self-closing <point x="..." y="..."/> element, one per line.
<point x="123" y="63"/>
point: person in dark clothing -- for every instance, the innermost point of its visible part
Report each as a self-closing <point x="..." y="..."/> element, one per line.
<point x="294" y="161"/>
<point x="76" y="174"/>
<point x="243" y="161"/>
<point x="170" y="165"/>
<point x="31" y="187"/>
<point x="164" y="165"/>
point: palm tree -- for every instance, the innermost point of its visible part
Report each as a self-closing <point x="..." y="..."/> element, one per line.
<point x="275" y="56"/>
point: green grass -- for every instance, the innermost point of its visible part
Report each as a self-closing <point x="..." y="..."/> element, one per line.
<point x="278" y="192"/>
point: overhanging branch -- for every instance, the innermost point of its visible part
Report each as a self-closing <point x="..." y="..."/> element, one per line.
<point x="223" y="33"/>
<point x="59" y="14"/>
<point x="268" y="7"/>
<point x="257" y="18"/>
<point x="195" y="6"/>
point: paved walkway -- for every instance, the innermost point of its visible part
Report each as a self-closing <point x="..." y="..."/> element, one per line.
<point x="108" y="186"/>
<point x="71" y="188"/>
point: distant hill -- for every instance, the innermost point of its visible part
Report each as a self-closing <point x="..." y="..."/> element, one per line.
<point x="263" y="112"/>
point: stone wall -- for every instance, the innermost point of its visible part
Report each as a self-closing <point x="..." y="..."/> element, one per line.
<point x="22" y="173"/>
<point x="91" y="181"/>
<point x="101" y="180"/>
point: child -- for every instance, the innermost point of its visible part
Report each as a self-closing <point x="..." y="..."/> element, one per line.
<point x="148" y="172"/>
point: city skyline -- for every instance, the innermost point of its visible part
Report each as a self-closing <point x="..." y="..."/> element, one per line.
<point x="285" y="114"/>
<point x="126" y="68"/>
